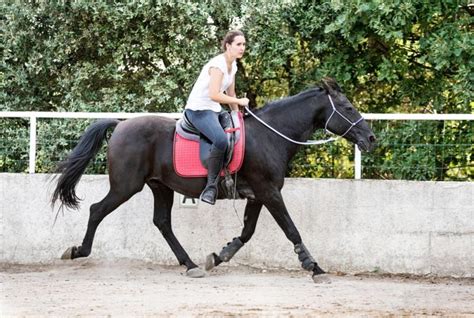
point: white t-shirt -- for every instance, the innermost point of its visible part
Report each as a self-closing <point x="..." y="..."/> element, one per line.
<point x="199" y="97"/>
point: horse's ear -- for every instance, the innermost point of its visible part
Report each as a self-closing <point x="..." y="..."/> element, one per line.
<point x="330" y="85"/>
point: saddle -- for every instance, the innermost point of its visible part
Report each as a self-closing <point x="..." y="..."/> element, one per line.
<point x="191" y="149"/>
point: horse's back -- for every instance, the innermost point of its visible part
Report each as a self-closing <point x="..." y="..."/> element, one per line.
<point x="135" y="143"/>
<point x="142" y="129"/>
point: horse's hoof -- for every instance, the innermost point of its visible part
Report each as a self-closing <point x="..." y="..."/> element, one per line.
<point x="68" y="253"/>
<point x="195" y="272"/>
<point x="322" y="279"/>
<point x="209" y="262"/>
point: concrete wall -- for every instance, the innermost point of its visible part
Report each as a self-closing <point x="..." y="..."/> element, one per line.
<point x="348" y="225"/>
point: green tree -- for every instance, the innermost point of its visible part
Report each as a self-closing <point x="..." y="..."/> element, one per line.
<point x="99" y="57"/>
<point x="389" y="56"/>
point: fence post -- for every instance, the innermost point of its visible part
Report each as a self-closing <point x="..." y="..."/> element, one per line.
<point x="32" y="157"/>
<point x="357" y="163"/>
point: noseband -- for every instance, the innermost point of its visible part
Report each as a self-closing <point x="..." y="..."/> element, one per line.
<point x="335" y="111"/>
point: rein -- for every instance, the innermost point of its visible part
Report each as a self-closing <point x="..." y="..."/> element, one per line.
<point x="311" y="142"/>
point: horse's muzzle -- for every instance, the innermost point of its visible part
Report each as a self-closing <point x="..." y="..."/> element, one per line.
<point x="367" y="144"/>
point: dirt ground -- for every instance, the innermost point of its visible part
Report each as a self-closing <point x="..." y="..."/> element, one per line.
<point x="92" y="287"/>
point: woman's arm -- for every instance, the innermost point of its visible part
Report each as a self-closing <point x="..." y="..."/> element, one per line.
<point x="219" y="97"/>
<point x="231" y="92"/>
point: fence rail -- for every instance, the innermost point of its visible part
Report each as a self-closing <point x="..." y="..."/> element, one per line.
<point x="33" y="116"/>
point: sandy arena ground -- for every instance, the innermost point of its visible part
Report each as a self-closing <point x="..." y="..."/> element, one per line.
<point x="126" y="288"/>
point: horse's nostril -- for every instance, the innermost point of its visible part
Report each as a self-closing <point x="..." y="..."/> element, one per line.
<point x="372" y="138"/>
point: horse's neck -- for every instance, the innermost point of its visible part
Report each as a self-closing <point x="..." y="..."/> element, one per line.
<point x="295" y="120"/>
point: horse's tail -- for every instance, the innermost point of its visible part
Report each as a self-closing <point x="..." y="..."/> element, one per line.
<point x="73" y="167"/>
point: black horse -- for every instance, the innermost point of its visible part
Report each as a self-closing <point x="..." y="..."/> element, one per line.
<point x="140" y="151"/>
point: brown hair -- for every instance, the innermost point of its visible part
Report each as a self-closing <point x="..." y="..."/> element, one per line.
<point x="229" y="38"/>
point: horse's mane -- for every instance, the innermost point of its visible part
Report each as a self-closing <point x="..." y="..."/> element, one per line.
<point x="288" y="100"/>
<point x="328" y="85"/>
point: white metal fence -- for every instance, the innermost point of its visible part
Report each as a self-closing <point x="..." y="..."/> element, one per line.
<point x="33" y="116"/>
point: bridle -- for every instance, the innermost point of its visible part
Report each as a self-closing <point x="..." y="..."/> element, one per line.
<point x="312" y="142"/>
<point x="335" y="111"/>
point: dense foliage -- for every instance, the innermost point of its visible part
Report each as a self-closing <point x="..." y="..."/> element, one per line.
<point x="143" y="56"/>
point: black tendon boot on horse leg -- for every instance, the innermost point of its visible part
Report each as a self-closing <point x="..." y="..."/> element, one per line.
<point x="214" y="164"/>
<point x="252" y="212"/>
<point x="308" y="263"/>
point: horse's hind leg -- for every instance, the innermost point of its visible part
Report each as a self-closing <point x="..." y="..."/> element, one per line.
<point x="252" y="212"/>
<point x="163" y="197"/>
<point x="98" y="212"/>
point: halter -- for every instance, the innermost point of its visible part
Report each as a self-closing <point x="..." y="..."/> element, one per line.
<point x="335" y="111"/>
<point x="311" y="142"/>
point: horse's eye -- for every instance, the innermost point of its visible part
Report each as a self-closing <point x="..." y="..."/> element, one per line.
<point x="349" y="108"/>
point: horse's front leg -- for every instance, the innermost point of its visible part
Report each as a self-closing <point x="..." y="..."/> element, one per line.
<point x="252" y="211"/>
<point x="274" y="203"/>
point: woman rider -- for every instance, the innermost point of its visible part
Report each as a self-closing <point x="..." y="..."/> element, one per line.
<point x="214" y="86"/>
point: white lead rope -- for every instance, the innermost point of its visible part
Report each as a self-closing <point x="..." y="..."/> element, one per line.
<point x="304" y="143"/>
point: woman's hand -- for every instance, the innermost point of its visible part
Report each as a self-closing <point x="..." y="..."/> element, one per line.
<point x="243" y="101"/>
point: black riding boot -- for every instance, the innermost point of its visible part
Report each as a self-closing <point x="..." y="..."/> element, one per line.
<point x="214" y="166"/>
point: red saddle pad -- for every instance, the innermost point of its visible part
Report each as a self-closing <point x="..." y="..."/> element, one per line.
<point x="186" y="159"/>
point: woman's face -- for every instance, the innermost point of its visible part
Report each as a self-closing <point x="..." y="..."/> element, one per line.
<point x="237" y="48"/>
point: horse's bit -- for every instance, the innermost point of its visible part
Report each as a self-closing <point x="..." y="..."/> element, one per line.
<point x="335" y="111"/>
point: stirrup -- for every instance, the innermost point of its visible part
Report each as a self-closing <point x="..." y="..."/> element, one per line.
<point x="208" y="197"/>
